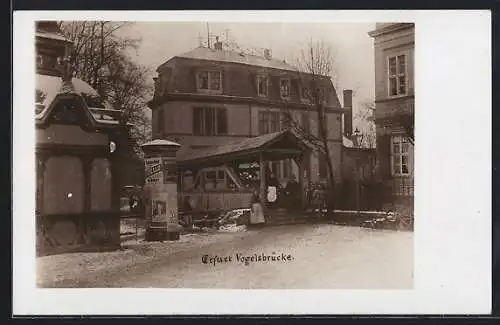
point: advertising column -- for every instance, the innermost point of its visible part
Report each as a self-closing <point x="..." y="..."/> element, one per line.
<point x="160" y="186"/>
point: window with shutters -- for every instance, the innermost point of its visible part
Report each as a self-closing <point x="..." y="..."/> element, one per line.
<point x="209" y="81"/>
<point x="400" y="156"/>
<point x="269" y="122"/>
<point x="397" y="72"/>
<point x="209" y="121"/>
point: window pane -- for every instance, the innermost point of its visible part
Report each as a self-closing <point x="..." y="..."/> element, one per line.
<point x="404" y="164"/>
<point x="284" y="121"/>
<point x="220" y="175"/>
<point x="396" y="148"/>
<point x="265" y="122"/>
<point x="305" y="93"/>
<point x="215" y="80"/>
<point x="396" y="163"/>
<point x="262" y="86"/>
<point x="393" y="87"/>
<point x="321" y="95"/>
<point x="404" y="169"/>
<point x="211" y="175"/>
<point x="274" y="122"/>
<point x="401" y="64"/>
<point x="221" y="121"/>
<point x="392" y="66"/>
<point x="261" y="122"/>
<point x="285" y="87"/>
<point x="197" y="121"/>
<point x="402" y="85"/>
<point x="209" y="121"/>
<point x="404" y="147"/>
<point x="203" y="80"/>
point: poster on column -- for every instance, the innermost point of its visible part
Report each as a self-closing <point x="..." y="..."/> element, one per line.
<point x="154" y="171"/>
<point x="164" y="207"/>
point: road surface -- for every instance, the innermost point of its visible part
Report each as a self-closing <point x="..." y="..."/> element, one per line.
<point x="296" y="257"/>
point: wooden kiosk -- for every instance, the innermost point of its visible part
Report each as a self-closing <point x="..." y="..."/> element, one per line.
<point x="79" y="143"/>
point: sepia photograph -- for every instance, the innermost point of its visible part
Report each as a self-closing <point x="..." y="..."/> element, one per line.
<point x="267" y="162"/>
<point x="287" y="175"/>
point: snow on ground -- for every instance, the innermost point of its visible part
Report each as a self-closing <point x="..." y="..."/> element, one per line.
<point x="65" y="268"/>
<point x="323" y="256"/>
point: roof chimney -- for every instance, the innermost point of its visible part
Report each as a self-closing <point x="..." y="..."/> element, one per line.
<point x="267" y="54"/>
<point x="347" y="113"/>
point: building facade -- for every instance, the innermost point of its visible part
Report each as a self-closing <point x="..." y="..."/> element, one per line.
<point x="394" y="45"/>
<point x="212" y="96"/>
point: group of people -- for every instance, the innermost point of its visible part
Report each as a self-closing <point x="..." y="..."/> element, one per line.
<point x="276" y="196"/>
<point x="288" y="196"/>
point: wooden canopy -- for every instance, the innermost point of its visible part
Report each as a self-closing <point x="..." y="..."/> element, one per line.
<point x="273" y="146"/>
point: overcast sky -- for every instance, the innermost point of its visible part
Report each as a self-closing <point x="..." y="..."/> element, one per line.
<point x="355" y="63"/>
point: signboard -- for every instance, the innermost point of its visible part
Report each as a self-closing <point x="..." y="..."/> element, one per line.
<point x="153" y="172"/>
<point x="160" y="170"/>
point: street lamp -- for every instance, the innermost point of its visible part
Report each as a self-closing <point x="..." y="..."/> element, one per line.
<point x="356" y="138"/>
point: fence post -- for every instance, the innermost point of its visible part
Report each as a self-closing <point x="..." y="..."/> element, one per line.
<point x="136" y="229"/>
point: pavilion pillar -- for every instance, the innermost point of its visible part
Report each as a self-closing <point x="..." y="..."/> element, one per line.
<point x="300" y="161"/>
<point x="262" y="168"/>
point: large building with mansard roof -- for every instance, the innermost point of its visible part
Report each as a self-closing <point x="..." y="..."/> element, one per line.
<point x="209" y="97"/>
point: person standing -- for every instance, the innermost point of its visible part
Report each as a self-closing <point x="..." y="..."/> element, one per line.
<point x="256" y="212"/>
<point x="272" y="187"/>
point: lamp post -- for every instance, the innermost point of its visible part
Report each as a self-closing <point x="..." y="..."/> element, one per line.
<point x="356" y="138"/>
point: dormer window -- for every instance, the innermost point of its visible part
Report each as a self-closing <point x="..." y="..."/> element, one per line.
<point x="262" y="86"/>
<point x="321" y="95"/>
<point x="305" y="95"/>
<point x="285" y="88"/>
<point x="210" y="81"/>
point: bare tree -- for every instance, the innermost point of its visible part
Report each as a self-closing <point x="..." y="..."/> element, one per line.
<point x="316" y="66"/>
<point x="365" y="123"/>
<point x="100" y="57"/>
